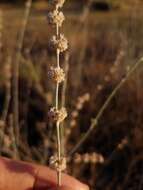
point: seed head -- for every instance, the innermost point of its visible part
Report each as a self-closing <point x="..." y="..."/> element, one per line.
<point x="96" y="158"/>
<point x="59" y="165"/>
<point x="57" y="115"/>
<point x="56" y="18"/>
<point x="57" y="74"/>
<point x="61" y="44"/>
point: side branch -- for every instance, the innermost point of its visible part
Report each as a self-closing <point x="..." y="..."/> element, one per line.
<point x="94" y="121"/>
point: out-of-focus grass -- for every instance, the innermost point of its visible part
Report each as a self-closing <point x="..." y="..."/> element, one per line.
<point x="107" y="34"/>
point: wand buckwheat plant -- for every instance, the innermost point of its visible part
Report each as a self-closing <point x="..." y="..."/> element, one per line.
<point x="59" y="44"/>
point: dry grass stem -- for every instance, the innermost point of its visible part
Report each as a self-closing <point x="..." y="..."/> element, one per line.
<point x="15" y="82"/>
<point x="95" y="121"/>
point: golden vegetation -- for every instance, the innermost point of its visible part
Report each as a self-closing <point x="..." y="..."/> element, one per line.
<point x="103" y="48"/>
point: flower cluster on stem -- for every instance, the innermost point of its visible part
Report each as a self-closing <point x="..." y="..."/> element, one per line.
<point x="59" y="44"/>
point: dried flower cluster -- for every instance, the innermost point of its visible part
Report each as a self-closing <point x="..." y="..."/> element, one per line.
<point x="59" y="165"/>
<point x="88" y="158"/>
<point x="60" y="44"/>
<point x="82" y="100"/>
<point x="56" y="17"/>
<point x="56" y="74"/>
<point x="57" y="115"/>
<point x="79" y="105"/>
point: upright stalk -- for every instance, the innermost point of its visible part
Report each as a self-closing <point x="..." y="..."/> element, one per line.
<point x="63" y="101"/>
<point x="59" y="44"/>
<point x="15" y="82"/>
<point x="57" y="106"/>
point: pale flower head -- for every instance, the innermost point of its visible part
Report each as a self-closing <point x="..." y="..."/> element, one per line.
<point x="56" y="18"/>
<point x="57" y="115"/>
<point x="58" y="165"/>
<point x="57" y="74"/>
<point x="60" y="44"/>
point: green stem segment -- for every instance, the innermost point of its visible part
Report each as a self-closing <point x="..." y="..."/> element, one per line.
<point x="94" y="121"/>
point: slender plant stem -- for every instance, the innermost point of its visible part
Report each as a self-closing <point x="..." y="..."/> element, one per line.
<point x="84" y="27"/>
<point x="59" y="151"/>
<point x="57" y="106"/>
<point x="6" y="105"/>
<point x="15" y="84"/>
<point x="63" y="101"/>
<point x="8" y="92"/>
<point x="94" y="121"/>
<point x="12" y="135"/>
<point x="57" y="96"/>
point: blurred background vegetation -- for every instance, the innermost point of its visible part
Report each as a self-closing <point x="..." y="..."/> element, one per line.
<point x="96" y="4"/>
<point x="105" y="40"/>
